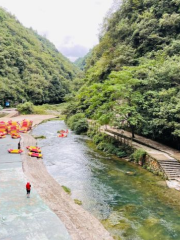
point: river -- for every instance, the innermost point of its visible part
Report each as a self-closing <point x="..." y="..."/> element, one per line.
<point x="131" y="207"/>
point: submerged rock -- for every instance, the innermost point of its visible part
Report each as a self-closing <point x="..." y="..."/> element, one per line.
<point x="131" y="173"/>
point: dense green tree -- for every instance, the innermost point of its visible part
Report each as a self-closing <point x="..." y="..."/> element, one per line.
<point x="132" y="76"/>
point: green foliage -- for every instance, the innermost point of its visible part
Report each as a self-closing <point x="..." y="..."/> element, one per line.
<point x="77" y="201"/>
<point x="132" y="77"/>
<point x="99" y="137"/>
<point x="112" y="149"/>
<point x="40" y="137"/>
<point x="109" y="145"/>
<point x="26" y="108"/>
<point x="66" y="189"/>
<point x="3" y="115"/>
<point x="78" y="123"/>
<point x="138" y="155"/>
<point x="81" y="62"/>
<point x="31" y="68"/>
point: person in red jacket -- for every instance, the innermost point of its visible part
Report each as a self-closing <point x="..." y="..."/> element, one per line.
<point x="28" y="189"/>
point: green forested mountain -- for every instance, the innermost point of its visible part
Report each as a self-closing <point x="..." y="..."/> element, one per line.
<point x="81" y="62"/>
<point x="31" y="68"/>
<point x="133" y="75"/>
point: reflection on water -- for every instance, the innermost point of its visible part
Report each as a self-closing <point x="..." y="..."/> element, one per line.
<point x="131" y="206"/>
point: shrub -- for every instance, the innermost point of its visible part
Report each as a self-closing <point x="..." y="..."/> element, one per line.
<point x="66" y="189"/>
<point x="138" y="155"/>
<point x="26" y="108"/>
<point x="39" y="110"/>
<point x="40" y="137"/>
<point x="78" y="123"/>
<point x="97" y="138"/>
<point x="77" y="201"/>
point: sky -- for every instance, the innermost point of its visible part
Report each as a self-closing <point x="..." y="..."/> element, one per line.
<point x="72" y="25"/>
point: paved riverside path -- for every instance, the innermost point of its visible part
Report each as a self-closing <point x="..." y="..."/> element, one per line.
<point x="23" y="218"/>
<point x="168" y="158"/>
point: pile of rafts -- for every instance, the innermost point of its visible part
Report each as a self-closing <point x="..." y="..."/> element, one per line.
<point x="34" y="151"/>
<point x="13" y="128"/>
<point x="25" y="125"/>
<point x="3" y="131"/>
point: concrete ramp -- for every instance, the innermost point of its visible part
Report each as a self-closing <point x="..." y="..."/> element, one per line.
<point x="23" y="218"/>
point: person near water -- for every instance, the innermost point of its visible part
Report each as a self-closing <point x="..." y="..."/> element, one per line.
<point x="28" y="189"/>
<point x="19" y="145"/>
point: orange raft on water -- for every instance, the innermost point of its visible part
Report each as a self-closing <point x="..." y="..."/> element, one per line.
<point x="63" y="133"/>
<point x="33" y="154"/>
<point x="15" y="150"/>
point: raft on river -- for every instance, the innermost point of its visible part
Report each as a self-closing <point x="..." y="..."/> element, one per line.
<point x="63" y="133"/>
<point x="15" y="150"/>
<point x="34" y="154"/>
<point x="34" y="149"/>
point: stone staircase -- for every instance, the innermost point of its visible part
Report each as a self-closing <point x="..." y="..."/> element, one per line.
<point x="169" y="165"/>
<point x="171" y="168"/>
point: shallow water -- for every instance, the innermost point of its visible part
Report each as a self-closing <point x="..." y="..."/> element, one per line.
<point x="131" y="207"/>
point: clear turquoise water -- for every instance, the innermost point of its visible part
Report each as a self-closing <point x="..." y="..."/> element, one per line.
<point x="131" y="207"/>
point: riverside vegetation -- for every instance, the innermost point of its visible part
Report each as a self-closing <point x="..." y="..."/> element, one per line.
<point x="132" y="76"/>
<point x="130" y="79"/>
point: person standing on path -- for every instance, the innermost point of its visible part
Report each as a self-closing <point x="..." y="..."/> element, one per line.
<point x="28" y="189"/>
<point x="19" y="145"/>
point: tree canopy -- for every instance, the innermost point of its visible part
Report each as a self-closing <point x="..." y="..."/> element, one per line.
<point x="132" y="76"/>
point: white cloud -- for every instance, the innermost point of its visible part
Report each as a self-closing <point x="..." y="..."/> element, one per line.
<point x="66" y="23"/>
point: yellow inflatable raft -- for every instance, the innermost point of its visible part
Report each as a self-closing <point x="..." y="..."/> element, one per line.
<point x="15" y="150"/>
<point x="34" y="154"/>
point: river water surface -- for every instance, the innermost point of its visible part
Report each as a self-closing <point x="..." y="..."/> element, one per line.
<point x="131" y="207"/>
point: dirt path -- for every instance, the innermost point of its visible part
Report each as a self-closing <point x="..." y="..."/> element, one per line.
<point x="80" y="224"/>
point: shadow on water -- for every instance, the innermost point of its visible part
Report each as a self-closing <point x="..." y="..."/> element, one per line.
<point x="131" y="206"/>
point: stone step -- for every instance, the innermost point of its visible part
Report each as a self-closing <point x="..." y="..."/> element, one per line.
<point x="172" y="169"/>
<point x="173" y="175"/>
<point x="170" y="166"/>
<point x="167" y="166"/>
<point x="172" y="172"/>
<point x="168" y="160"/>
<point x="169" y="163"/>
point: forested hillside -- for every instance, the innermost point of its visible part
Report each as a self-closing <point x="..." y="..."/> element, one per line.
<point x="81" y="62"/>
<point x="133" y="75"/>
<point x="31" y="68"/>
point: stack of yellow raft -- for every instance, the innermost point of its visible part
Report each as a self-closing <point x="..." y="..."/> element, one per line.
<point x="34" y="151"/>
<point x="3" y="129"/>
